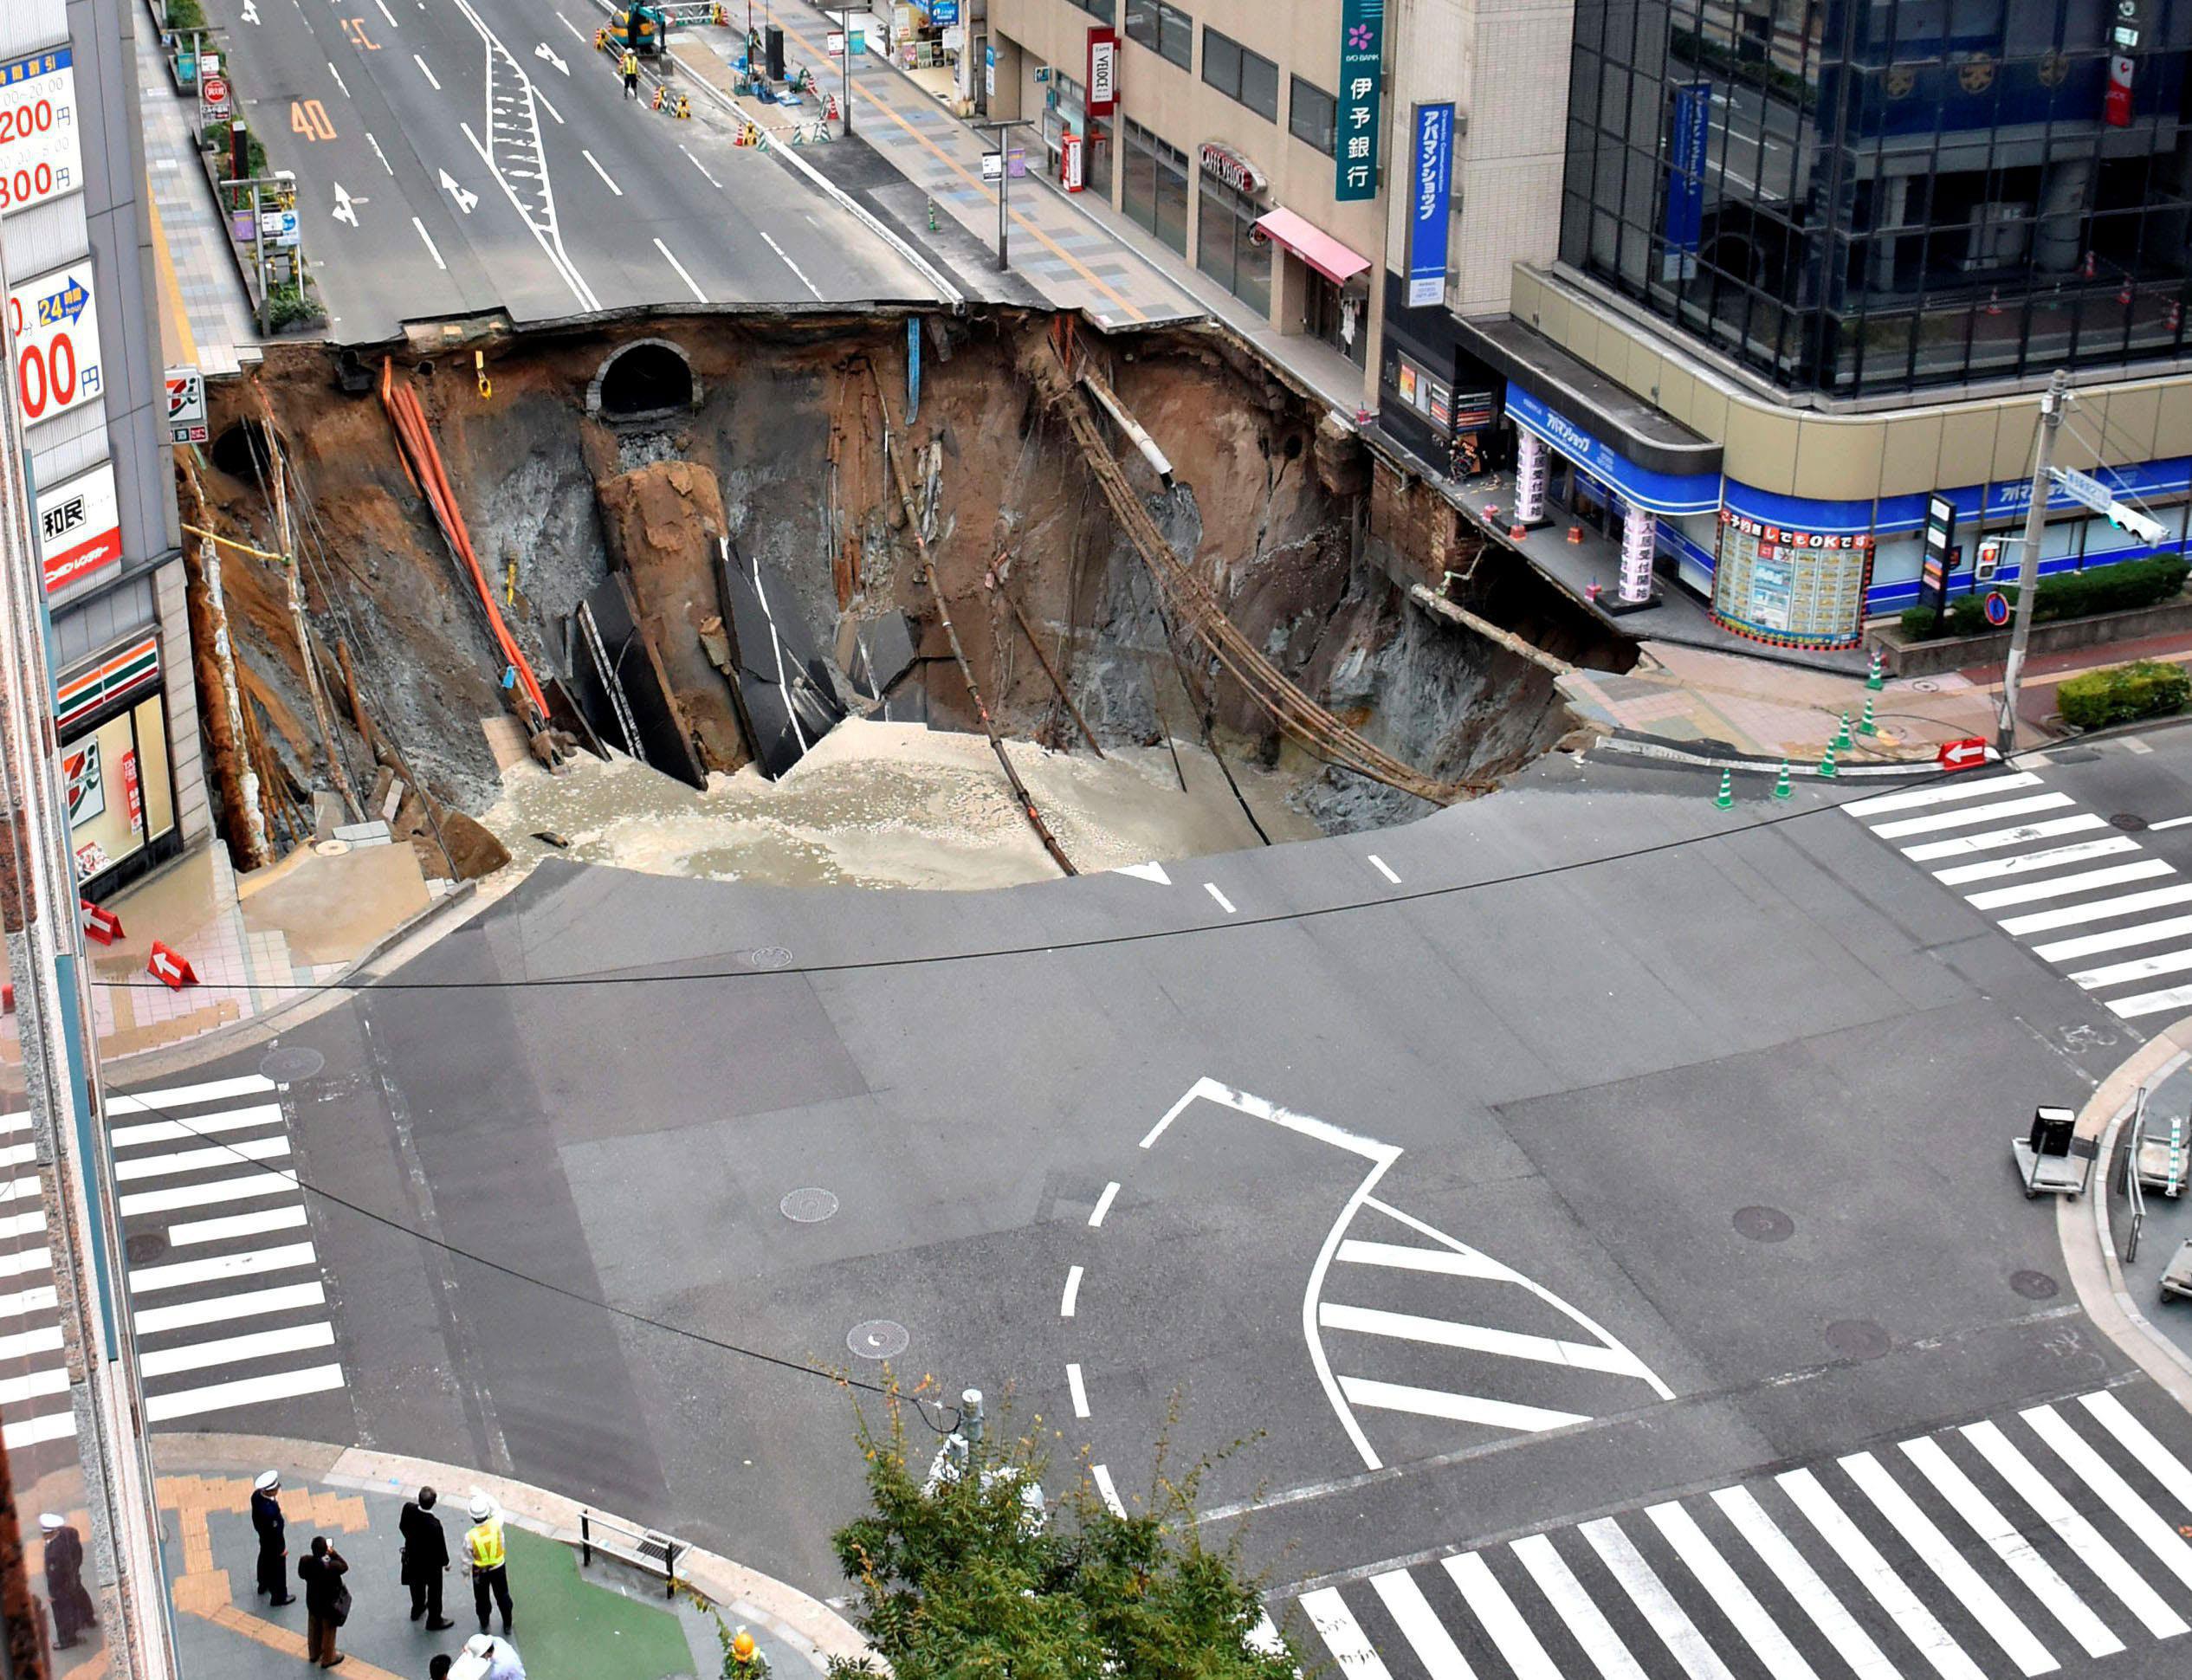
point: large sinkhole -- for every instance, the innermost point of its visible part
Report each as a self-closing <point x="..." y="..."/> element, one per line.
<point x="646" y="381"/>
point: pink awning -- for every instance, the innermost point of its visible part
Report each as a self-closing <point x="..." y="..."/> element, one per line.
<point x="1320" y="251"/>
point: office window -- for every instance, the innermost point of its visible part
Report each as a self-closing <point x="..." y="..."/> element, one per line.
<point x="1163" y="29"/>
<point x="1104" y="10"/>
<point x="1238" y="73"/>
<point x="1312" y="114"/>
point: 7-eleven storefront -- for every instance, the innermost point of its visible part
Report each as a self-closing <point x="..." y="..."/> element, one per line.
<point x="111" y="713"/>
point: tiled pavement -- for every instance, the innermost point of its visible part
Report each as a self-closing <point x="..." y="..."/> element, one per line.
<point x="205" y="317"/>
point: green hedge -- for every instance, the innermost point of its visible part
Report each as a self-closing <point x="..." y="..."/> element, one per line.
<point x="2124" y="587"/>
<point x="183" y="15"/>
<point x="2148" y="689"/>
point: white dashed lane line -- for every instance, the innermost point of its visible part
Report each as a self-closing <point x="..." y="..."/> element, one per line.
<point x="1080" y="1390"/>
<point x="428" y="73"/>
<point x="1101" y="1476"/>
<point x="1072" y="1295"/>
<point x="1103" y="1204"/>
<point x="1223" y="903"/>
<point x="1379" y="864"/>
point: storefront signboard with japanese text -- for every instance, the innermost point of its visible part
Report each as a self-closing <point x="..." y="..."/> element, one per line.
<point x="1361" y="79"/>
<point x="55" y="330"/>
<point x="41" y="157"/>
<point x="1430" y="183"/>
<point x="1686" y="180"/>
<point x="1798" y="587"/>
<point x="1222" y="163"/>
<point x="1104" y="73"/>
<point x="1663" y="493"/>
<point x="79" y="528"/>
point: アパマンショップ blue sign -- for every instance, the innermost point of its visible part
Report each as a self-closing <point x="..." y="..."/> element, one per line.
<point x="1431" y="193"/>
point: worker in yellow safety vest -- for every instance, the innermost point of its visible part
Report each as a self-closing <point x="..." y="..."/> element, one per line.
<point x="630" y="66"/>
<point x="484" y="1549"/>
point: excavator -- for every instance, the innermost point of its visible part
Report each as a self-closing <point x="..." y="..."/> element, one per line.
<point x="642" y="28"/>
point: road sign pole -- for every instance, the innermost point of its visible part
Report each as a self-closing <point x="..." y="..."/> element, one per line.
<point x="998" y="129"/>
<point x="2051" y="420"/>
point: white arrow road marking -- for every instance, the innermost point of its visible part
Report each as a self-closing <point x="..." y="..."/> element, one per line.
<point x="464" y="200"/>
<point x="1144" y="872"/>
<point x="343" y="210"/>
<point x="542" y="51"/>
<point x="250" y="13"/>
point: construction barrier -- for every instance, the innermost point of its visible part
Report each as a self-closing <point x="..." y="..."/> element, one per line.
<point x="171" y="967"/>
<point x="99" y="922"/>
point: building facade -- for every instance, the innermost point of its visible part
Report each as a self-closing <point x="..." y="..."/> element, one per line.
<point x="1805" y="266"/>
<point x="85" y="355"/>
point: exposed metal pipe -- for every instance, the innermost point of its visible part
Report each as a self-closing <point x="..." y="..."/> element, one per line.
<point x="1128" y="424"/>
<point x="1485" y="627"/>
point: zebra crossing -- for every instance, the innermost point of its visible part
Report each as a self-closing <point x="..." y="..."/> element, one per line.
<point x="2013" y="1547"/>
<point x="2081" y="896"/>
<point x="224" y="1287"/>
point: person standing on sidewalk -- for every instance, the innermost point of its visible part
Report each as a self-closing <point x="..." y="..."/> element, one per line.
<point x="487" y="1551"/>
<point x="64" y="1591"/>
<point x="274" y="1547"/>
<point x="426" y="1558"/>
<point x="326" y="1601"/>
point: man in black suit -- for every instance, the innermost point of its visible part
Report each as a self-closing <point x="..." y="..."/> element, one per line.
<point x="426" y="1558"/>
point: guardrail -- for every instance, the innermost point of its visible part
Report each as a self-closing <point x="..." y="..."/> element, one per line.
<point x="642" y="1548"/>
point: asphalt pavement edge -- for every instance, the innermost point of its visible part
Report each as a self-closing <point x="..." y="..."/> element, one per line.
<point x="2088" y="1244"/>
<point x="746" y="1594"/>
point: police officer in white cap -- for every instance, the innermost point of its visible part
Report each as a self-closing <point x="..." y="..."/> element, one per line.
<point x="65" y="1580"/>
<point x="274" y="1547"/>
<point x="487" y="1552"/>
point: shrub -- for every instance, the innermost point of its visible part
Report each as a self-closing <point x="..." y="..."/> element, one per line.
<point x="184" y="14"/>
<point x="2147" y="688"/>
<point x="2124" y="587"/>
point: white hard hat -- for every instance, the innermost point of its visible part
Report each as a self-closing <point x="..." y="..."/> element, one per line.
<point x="482" y="1508"/>
<point x="268" y="1482"/>
<point x="50" y="1520"/>
<point x="480" y="1644"/>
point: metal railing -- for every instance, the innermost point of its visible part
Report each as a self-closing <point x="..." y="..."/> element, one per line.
<point x="657" y="1552"/>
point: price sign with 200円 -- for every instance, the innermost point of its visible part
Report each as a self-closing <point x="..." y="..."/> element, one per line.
<point x="55" y="328"/>
<point x="40" y="155"/>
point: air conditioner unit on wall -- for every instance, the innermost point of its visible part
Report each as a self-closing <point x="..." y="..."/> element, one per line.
<point x="2000" y="234"/>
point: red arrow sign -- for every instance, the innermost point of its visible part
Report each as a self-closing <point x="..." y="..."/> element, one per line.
<point x="1963" y="754"/>
<point x="169" y="967"/>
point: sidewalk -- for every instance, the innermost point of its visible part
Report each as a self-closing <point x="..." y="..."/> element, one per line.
<point x="205" y="319"/>
<point x="1077" y="252"/>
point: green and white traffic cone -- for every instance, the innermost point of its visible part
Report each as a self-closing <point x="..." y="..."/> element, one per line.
<point x="1827" y="763"/>
<point x="1781" y="789"/>
<point x="1842" y="735"/>
<point x="1873" y="680"/>
<point x="1864" y="725"/>
<point x="1725" y="799"/>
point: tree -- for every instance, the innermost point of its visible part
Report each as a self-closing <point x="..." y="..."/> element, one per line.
<point x="964" y="1577"/>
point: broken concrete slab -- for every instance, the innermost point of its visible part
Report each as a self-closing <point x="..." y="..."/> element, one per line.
<point x="789" y="701"/>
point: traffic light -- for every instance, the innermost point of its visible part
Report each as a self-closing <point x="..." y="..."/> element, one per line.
<point x="1989" y="561"/>
<point x="2152" y="532"/>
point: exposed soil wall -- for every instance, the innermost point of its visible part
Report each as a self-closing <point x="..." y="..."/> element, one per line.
<point x="783" y="453"/>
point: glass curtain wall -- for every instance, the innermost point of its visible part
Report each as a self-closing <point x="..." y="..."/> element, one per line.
<point x="1862" y="197"/>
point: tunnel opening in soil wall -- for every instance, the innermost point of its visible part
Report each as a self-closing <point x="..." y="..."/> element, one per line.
<point x="651" y="380"/>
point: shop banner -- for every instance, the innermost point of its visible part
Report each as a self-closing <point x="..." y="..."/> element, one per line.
<point x="55" y="330"/>
<point x="942" y="12"/>
<point x="1662" y="493"/>
<point x="1362" y="76"/>
<point x="79" y="528"/>
<point x="87" y="787"/>
<point x="1104" y="73"/>
<point x="1686" y="180"/>
<point x="115" y="675"/>
<point x="2124" y="38"/>
<point x="1432" y="178"/>
<point x="40" y="155"/>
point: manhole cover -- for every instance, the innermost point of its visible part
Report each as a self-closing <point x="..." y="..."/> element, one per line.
<point x="286" y="1067"/>
<point x="769" y="956"/>
<point x="145" y="1245"/>
<point x="809" y="1207"/>
<point x="878" y="1338"/>
<point x="2130" y="821"/>
<point x="2035" y="1285"/>
<point x="1764" y="1225"/>
<point x="1857" y="1338"/>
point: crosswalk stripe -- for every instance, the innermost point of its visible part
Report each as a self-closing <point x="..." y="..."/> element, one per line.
<point x="2141" y="1518"/>
<point x="2085" y="880"/>
<point x="183" y="1096"/>
<point x="21" y="1225"/>
<point x="2089" y="945"/>
<point x="16" y="1123"/>
<point x="29" y="1432"/>
<point x="1405" y="1258"/>
<point x="236" y="1225"/>
<point x="244" y="1391"/>
<point x="1944" y="794"/>
<point x="2151" y="1003"/>
<point x="16" y="1189"/>
<point x="147" y="1280"/>
<point x="1488" y="1599"/>
<point x="18" y="1154"/>
<point x="196" y="1161"/>
<point x="1510" y="1344"/>
<point x="1343" y="1635"/>
<point x="23" y="1343"/>
<point x="197" y="1355"/>
<point x="2103" y="909"/>
<point x="2155" y="1459"/>
<point x="1736" y="1601"/>
<point x="1996" y="839"/>
<point x="22" y="1303"/>
<point x="24" y="1261"/>
<point x="1650" y="1595"/>
<point x="1460" y="1408"/>
<point x="1971" y="817"/>
<point x="1585" y="1620"/>
<point x="14" y="1391"/>
<point x="174" y="1131"/>
<point x="1878" y="1577"/>
<point x="1964" y="1583"/>
<point x="204" y="1195"/>
<point x="184" y="1315"/>
<point x="2138" y="968"/>
<point x="2016" y="1552"/>
<point x="1434" y="1647"/>
<point x="2052" y="857"/>
<point x="2083" y="1538"/>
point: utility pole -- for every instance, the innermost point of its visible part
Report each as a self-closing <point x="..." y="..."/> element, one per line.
<point x="39" y="920"/>
<point x="1004" y="179"/>
<point x="2051" y="420"/>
